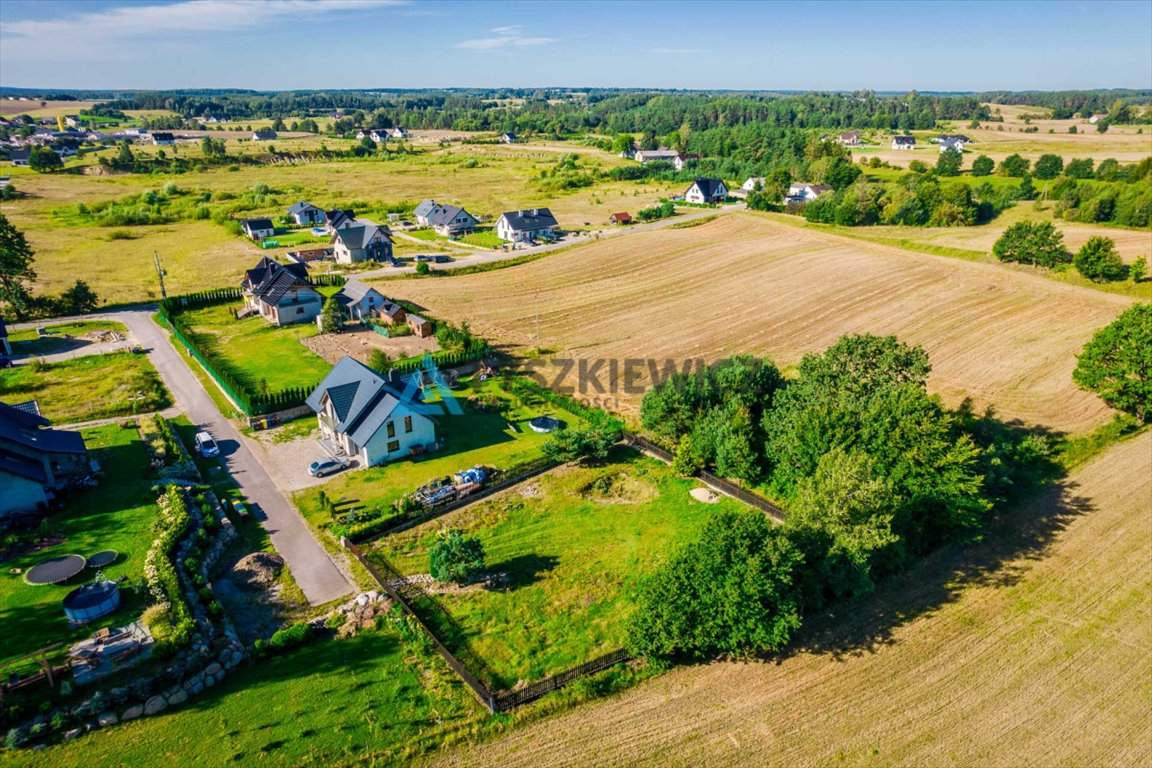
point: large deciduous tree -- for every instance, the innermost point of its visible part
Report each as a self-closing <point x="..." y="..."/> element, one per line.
<point x="1117" y="363"/>
<point x="949" y="162"/>
<point x="1098" y="261"/>
<point x="1027" y="242"/>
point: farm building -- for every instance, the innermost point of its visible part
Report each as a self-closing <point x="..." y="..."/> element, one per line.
<point x="446" y="220"/>
<point x="521" y="226"/>
<point x="806" y="193"/>
<point x="35" y="462"/>
<point x="706" y="190"/>
<point x="850" y="138"/>
<point x="161" y="138"/>
<point x="662" y="155"/>
<point x="620" y="218"/>
<point x="280" y="293"/>
<point x="306" y="214"/>
<point x="903" y="142"/>
<point x="263" y="134"/>
<point x="364" y="415"/>
<point x="359" y="299"/>
<point x="363" y="241"/>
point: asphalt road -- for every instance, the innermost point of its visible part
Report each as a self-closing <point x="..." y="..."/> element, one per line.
<point x="311" y="566"/>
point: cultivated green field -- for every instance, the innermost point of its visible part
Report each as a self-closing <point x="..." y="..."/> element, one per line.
<point x="574" y="545"/>
<point x="86" y="388"/>
<point x="116" y="515"/>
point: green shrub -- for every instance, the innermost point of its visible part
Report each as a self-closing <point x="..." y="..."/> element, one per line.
<point x="291" y="637"/>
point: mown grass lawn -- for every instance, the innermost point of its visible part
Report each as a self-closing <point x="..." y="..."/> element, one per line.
<point x="574" y="544"/>
<point x="335" y="702"/>
<point x="116" y="515"/>
<point x="485" y="237"/>
<point x="86" y="388"/>
<point x="255" y="351"/>
<point x="500" y="440"/>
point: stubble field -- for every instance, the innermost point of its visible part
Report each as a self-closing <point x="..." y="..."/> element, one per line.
<point x="742" y="283"/>
<point x="1035" y="652"/>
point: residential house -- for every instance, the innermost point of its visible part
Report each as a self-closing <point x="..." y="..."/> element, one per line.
<point x="306" y="214"/>
<point x="850" y="138"/>
<point x="947" y="138"/>
<point x="620" y="218"/>
<point x="161" y="138"/>
<point x="258" y="229"/>
<point x="363" y="241"/>
<point x="526" y="225"/>
<point x="1096" y="118"/>
<point x="359" y="300"/>
<point x="683" y="161"/>
<point x="800" y="192"/>
<point x="36" y="462"/>
<point x="398" y="133"/>
<point x="706" y="190"/>
<point x="508" y="138"/>
<point x="281" y="293"/>
<point x="337" y="219"/>
<point x="753" y="182"/>
<point x="903" y="142"/>
<point x="364" y="415"/>
<point x="662" y="155"/>
<point x="378" y="135"/>
<point x="21" y="158"/>
<point x="263" y="134"/>
<point x="73" y="121"/>
<point x="447" y="220"/>
<point x="955" y="144"/>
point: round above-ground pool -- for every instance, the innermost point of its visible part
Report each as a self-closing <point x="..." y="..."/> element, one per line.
<point x="102" y="559"/>
<point x="92" y="601"/>
<point x="544" y="424"/>
<point x="55" y="570"/>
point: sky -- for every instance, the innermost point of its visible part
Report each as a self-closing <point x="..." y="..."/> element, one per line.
<point x="348" y="44"/>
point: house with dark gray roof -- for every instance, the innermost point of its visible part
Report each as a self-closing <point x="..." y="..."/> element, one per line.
<point x="280" y="293"/>
<point x="21" y="158"/>
<point x="263" y="134"/>
<point x="447" y="220"/>
<point x="359" y="299"/>
<point x="36" y="462"/>
<point x="338" y="218"/>
<point x="363" y="241"/>
<point x="706" y="191"/>
<point x="306" y="214"/>
<point x="258" y="229"/>
<point x="508" y="138"/>
<point x="903" y="142"/>
<point x="520" y="226"/>
<point x="163" y="138"/>
<point x="366" y="416"/>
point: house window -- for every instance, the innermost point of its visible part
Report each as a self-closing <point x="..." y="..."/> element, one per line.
<point x="391" y="429"/>
<point x="407" y="423"/>
<point x="393" y="446"/>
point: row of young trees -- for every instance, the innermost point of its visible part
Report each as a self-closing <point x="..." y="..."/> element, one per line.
<point x="871" y="468"/>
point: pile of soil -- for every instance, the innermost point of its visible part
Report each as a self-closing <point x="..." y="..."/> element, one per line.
<point x="257" y="570"/>
<point x="619" y="488"/>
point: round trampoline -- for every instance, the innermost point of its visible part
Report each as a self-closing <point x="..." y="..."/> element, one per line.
<point x="103" y="558"/>
<point x="543" y="424"/>
<point x="55" y="570"/>
<point x="92" y="601"/>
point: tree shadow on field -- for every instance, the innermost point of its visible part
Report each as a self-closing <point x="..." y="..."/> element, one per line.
<point x="523" y="570"/>
<point x="1013" y="539"/>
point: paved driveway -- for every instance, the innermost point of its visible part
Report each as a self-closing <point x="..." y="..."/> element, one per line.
<point x="311" y="566"/>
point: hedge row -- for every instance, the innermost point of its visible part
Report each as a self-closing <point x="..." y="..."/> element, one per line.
<point x="160" y="569"/>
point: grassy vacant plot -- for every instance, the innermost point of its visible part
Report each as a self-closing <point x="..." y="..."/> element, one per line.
<point x="85" y="388"/>
<point x="260" y="354"/>
<point x="487" y="180"/>
<point x="29" y="342"/>
<point x="117" y="515"/>
<point x="1029" y="650"/>
<point x="332" y="703"/>
<point x="500" y="440"/>
<point x="743" y="283"/>
<point x="574" y="544"/>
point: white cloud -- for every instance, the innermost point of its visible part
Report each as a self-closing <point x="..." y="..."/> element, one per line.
<point x="84" y="36"/>
<point x="503" y="39"/>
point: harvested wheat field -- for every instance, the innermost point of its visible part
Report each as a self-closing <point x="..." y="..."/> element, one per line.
<point x="1032" y="650"/>
<point x="745" y="284"/>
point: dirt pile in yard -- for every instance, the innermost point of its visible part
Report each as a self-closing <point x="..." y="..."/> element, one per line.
<point x="257" y="570"/>
<point x="619" y="488"/>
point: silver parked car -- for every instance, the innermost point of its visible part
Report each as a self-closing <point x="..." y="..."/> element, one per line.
<point x="323" y="467"/>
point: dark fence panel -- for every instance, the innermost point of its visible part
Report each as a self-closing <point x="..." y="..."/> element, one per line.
<point x="719" y="483"/>
<point x="507" y="700"/>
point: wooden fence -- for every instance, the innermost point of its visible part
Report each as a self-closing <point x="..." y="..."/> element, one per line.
<point x="496" y="701"/>
<point x="726" y="487"/>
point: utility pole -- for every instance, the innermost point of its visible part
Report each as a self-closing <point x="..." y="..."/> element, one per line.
<point x="537" y="303"/>
<point x="160" y="274"/>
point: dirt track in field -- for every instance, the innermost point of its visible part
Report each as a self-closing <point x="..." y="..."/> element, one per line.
<point x="745" y="284"/>
<point x="1041" y="658"/>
